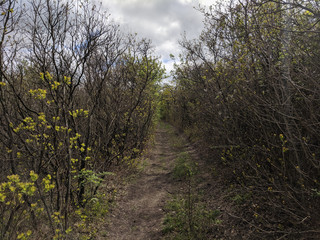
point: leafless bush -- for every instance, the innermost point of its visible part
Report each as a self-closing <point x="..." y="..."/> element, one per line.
<point x="249" y="86"/>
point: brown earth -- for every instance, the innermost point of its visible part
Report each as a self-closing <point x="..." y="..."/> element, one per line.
<point x="140" y="208"/>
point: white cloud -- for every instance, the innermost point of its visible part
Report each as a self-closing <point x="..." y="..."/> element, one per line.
<point x="162" y="21"/>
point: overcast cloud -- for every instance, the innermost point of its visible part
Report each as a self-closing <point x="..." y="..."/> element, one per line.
<point x="162" y="21"/>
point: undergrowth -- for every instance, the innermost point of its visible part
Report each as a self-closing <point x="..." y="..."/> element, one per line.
<point x="187" y="214"/>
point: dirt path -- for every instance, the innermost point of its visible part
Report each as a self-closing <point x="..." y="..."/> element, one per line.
<point x="139" y="212"/>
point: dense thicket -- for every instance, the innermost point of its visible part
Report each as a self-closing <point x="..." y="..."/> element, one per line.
<point x="249" y="89"/>
<point x="76" y="96"/>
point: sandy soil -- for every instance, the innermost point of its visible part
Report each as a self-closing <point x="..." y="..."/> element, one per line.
<point x="139" y="212"/>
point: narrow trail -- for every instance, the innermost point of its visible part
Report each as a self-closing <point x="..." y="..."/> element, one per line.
<point x="139" y="212"/>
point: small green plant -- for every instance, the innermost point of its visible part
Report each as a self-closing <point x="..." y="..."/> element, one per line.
<point x="240" y="198"/>
<point x="179" y="224"/>
<point x="187" y="216"/>
<point x="184" y="167"/>
<point x="89" y="217"/>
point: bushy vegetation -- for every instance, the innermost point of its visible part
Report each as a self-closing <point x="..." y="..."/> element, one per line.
<point x="248" y="92"/>
<point x="77" y="97"/>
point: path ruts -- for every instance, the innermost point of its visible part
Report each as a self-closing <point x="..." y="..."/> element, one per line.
<point x="139" y="212"/>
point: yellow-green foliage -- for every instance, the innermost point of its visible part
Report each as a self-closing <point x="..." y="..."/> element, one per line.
<point x="16" y="196"/>
<point x="12" y="191"/>
<point x="67" y="114"/>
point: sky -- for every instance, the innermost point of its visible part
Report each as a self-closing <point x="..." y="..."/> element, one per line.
<point x="162" y="21"/>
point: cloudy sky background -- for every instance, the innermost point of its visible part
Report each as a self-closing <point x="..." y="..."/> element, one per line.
<point x="162" y="21"/>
